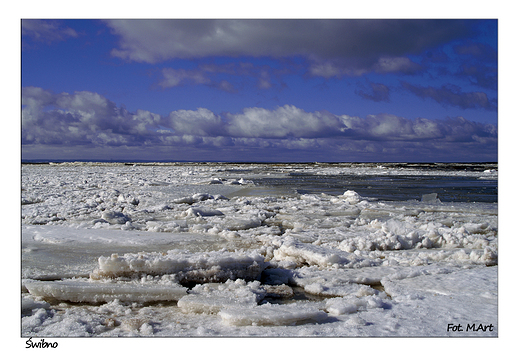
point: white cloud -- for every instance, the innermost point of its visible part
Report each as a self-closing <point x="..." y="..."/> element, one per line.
<point x="88" y="119"/>
<point x="209" y="74"/>
<point x="176" y="77"/>
<point x="387" y="127"/>
<point x="201" y="122"/>
<point x="81" y="117"/>
<point x="286" y="121"/>
<point x="328" y="70"/>
<point x="46" y="30"/>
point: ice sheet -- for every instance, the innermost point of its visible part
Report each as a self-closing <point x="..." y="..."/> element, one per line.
<point x="94" y="292"/>
<point x="106" y="247"/>
<point x="57" y="251"/>
<point x="271" y="315"/>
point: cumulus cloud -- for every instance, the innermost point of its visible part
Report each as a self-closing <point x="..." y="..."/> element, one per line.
<point x="201" y="122"/>
<point x="89" y="119"/>
<point x="286" y="121"/>
<point x="81" y="118"/>
<point x="387" y="127"/>
<point x="453" y="96"/>
<point x="333" y="47"/>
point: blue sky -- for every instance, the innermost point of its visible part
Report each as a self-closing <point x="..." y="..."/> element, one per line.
<point x="260" y="90"/>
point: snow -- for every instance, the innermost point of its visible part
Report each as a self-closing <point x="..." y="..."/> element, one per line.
<point x="200" y="250"/>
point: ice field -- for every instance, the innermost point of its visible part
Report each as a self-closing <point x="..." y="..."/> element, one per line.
<point x="210" y="249"/>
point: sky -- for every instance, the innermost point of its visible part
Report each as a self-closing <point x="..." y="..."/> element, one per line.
<point x="291" y="90"/>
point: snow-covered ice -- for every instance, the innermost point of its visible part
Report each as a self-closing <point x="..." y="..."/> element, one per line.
<point x="187" y="249"/>
<point x="216" y="266"/>
<point x="86" y="291"/>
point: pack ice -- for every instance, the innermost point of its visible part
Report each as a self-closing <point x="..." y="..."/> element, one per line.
<point x="201" y="250"/>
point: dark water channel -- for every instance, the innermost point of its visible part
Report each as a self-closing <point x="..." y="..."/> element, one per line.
<point x="390" y="188"/>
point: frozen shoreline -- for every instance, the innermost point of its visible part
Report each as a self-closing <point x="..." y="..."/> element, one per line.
<point x="162" y="227"/>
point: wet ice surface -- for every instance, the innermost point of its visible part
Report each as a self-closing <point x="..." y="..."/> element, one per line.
<point x="258" y="250"/>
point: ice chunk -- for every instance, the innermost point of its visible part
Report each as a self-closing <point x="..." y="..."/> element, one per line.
<point x="216" y="266"/>
<point x="351" y="197"/>
<point x="475" y="228"/>
<point x="128" y="199"/>
<point x="272" y="315"/>
<point x="303" y="253"/>
<point x="430" y="198"/>
<point x="330" y="283"/>
<point x="115" y="217"/>
<point x="94" y="292"/>
<point x="211" y="298"/>
<point x="216" y="181"/>
<point x="199" y="197"/>
<point x="202" y="212"/>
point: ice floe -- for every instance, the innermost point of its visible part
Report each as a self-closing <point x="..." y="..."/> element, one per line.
<point x="215" y="266"/>
<point x="94" y="292"/>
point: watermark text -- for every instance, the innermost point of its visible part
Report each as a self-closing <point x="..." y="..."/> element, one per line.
<point x="470" y="327"/>
<point x="40" y="344"/>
